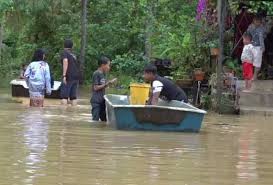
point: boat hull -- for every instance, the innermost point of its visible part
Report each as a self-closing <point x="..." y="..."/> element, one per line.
<point x="153" y="118"/>
<point x="19" y="89"/>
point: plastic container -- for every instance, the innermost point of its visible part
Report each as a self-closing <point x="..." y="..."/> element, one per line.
<point x="139" y="93"/>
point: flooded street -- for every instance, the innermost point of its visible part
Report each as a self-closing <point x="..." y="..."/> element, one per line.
<point x="61" y="146"/>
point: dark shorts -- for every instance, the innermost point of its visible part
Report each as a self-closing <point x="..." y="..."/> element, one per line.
<point x="247" y="71"/>
<point x="69" y="90"/>
<point x="99" y="111"/>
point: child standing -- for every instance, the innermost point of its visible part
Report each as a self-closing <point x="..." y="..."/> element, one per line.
<point x="37" y="76"/>
<point x="99" y="85"/>
<point x="247" y="60"/>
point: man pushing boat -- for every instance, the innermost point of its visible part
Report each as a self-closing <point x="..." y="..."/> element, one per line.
<point x="162" y="87"/>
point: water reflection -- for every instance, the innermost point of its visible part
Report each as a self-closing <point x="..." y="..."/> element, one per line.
<point x="35" y="134"/>
<point x="247" y="163"/>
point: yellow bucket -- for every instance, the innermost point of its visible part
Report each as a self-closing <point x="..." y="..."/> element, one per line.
<point x="139" y="93"/>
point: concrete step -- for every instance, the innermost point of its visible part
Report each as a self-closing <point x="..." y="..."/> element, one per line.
<point x="263" y="85"/>
<point x="259" y="85"/>
<point x="261" y="111"/>
<point x="256" y="99"/>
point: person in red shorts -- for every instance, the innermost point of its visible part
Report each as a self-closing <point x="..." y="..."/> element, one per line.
<point x="247" y="60"/>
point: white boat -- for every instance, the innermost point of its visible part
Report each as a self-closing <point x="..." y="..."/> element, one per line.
<point x="19" y="88"/>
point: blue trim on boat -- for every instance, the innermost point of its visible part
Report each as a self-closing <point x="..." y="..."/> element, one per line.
<point x="123" y="116"/>
<point x="126" y="120"/>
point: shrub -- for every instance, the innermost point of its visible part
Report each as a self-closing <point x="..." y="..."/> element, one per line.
<point x="129" y="64"/>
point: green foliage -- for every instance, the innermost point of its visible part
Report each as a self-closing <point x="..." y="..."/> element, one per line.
<point x="184" y="41"/>
<point x="255" y="6"/>
<point x="37" y="25"/>
<point x="115" y="28"/>
<point x="233" y="64"/>
<point x="127" y="69"/>
<point x="181" y="74"/>
<point x="127" y="64"/>
<point x="123" y="81"/>
<point x="206" y="101"/>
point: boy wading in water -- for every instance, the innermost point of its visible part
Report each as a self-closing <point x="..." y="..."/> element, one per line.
<point x="37" y="76"/>
<point x="247" y="59"/>
<point x="99" y="84"/>
<point x="70" y="79"/>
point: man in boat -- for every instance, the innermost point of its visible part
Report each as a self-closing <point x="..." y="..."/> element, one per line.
<point x="162" y="87"/>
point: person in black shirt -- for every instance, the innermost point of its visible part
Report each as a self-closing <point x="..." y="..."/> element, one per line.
<point x="162" y="87"/>
<point x="99" y="83"/>
<point x="70" y="77"/>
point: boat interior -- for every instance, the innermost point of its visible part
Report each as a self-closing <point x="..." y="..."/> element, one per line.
<point x="124" y="100"/>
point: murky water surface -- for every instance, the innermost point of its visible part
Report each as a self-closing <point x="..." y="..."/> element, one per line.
<point x="61" y="146"/>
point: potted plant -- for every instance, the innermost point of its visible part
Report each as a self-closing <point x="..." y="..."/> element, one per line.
<point x="214" y="48"/>
<point x="199" y="74"/>
<point x="182" y="79"/>
<point x="210" y="38"/>
<point x="199" y="63"/>
<point x="187" y="82"/>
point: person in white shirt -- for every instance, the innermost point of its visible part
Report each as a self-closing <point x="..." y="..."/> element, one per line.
<point x="247" y="60"/>
<point x="162" y="87"/>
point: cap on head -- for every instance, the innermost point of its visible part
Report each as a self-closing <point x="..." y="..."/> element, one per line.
<point x="68" y="43"/>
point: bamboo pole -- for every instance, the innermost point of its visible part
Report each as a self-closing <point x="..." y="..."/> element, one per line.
<point x="221" y="23"/>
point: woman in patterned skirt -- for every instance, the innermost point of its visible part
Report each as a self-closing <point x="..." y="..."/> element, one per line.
<point x="38" y="79"/>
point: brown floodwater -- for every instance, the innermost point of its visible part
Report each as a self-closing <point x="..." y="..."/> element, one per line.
<point x="61" y="146"/>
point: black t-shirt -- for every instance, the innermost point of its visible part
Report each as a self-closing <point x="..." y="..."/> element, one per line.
<point x="72" y="72"/>
<point x="98" y="79"/>
<point x="171" y="91"/>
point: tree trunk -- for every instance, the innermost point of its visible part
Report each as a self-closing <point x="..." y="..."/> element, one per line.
<point x="148" y="31"/>
<point x="1" y="37"/>
<point x="83" y="38"/>
<point x="221" y="24"/>
<point x="148" y="45"/>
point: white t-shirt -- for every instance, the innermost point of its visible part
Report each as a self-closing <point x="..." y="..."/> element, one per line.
<point x="157" y="86"/>
<point x="248" y="54"/>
